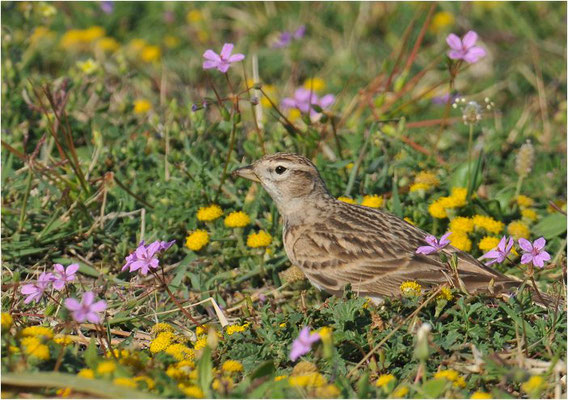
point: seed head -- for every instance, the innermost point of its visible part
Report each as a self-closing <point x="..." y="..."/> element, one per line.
<point x="525" y="159"/>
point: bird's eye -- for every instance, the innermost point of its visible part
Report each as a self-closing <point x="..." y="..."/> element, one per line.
<point x="280" y="169"/>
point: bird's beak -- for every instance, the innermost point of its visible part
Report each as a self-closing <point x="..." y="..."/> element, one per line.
<point x="247" y="173"/>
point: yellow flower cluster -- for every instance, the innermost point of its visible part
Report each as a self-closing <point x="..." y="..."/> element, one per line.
<point x="384" y="380"/>
<point x="106" y="367"/>
<point x="146" y="52"/>
<point x="346" y="200"/>
<point x="460" y="241"/>
<point x="400" y="392"/>
<point x="200" y="343"/>
<point x="161" y="327"/>
<point x="329" y="391"/>
<point x="209" y="213"/>
<point x="314" y="379"/>
<point x="202" y="330"/>
<point x="223" y="384"/>
<point x="127" y="382"/>
<point x="534" y="384"/>
<point x="80" y="38"/>
<point x="487" y="223"/>
<point x="529" y="214"/>
<point x="488" y="243"/>
<point x="260" y="239"/>
<point x="231" y="329"/>
<point x="441" y="20"/>
<point x="193" y="16"/>
<point x="424" y="181"/>
<point x="7" y="321"/>
<point x="446" y="294"/>
<point x="42" y="331"/>
<point x="161" y="342"/>
<point x="86" y="373"/>
<point x="518" y="229"/>
<point x="315" y="84"/>
<point x="232" y="366"/>
<point x="180" y="352"/>
<point x="461" y="224"/>
<point x="237" y="219"/>
<point x="524" y="201"/>
<point x="452" y="376"/>
<point x="192" y="391"/>
<point x="32" y="346"/>
<point x="88" y="66"/>
<point x="438" y="209"/>
<point x="480" y="395"/>
<point x="64" y="340"/>
<point x="410" y="288"/>
<point x="373" y="201"/>
<point x="416" y="187"/>
<point x="142" y="106"/>
<point x="197" y="240"/>
<point x="326" y="334"/>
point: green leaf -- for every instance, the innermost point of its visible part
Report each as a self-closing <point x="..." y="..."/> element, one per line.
<point x="396" y="206"/>
<point x="363" y="386"/>
<point x="551" y="226"/>
<point x="91" y="358"/>
<point x="205" y="371"/>
<point x="434" y="388"/>
<point x="266" y="368"/>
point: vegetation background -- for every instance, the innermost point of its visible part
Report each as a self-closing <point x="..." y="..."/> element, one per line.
<point x="113" y="133"/>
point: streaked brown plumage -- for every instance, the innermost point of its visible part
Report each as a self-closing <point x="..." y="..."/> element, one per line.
<point x="335" y="243"/>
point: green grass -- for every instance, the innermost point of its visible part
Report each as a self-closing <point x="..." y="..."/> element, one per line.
<point x="85" y="177"/>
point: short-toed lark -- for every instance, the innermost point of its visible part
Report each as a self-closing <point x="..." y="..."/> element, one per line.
<point x="335" y="243"/>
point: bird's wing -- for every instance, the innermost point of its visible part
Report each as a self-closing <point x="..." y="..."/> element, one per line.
<point x="375" y="252"/>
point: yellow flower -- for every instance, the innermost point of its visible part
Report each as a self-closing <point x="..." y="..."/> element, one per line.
<point x="328" y="391"/>
<point x="282" y="325"/>
<point x="106" y="367"/>
<point x="107" y="44"/>
<point x="64" y="340"/>
<point x="326" y="334"/>
<point x="410" y="288"/>
<point x="529" y="214"/>
<point x="202" y="330"/>
<point x="409" y="221"/>
<point x="142" y="106"/>
<point x="441" y="20"/>
<point x="237" y="219"/>
<point x="194" y="16"/>
<point x="480" y="395"/>
<point x="460" y="241"/>
<point x="209" y="213"/>
<point x="558" y="203"/>
<point x="270" y="91"/>
<point x="161" y="342"/>
<point x="88" y="66"/>
<point x="180" y="352"/>
<point x="346" y="200"/>
<point x="63" y="392"/>
<point x="232" y="366"/>
<point x="192" y="391"/>
<point x="518" y="229"/>
<point x="446" y="293"/>
<point x="488" y="243"/>
<point x="534" y="384"/>
<point x="400" y="392"/>
<point x="294" y="114"/>
<point x="45" y="9"/>
<point x="150" y="53"/>
<point x="231" y="329"/>
<point x="72" y="38"/>
<point x="33" y="347"/>
<point x="86" y="373"/>
<point x="197" y="240"/>
<point x="137" y="44"/>
<point x="304" y="368"/>
<point x="461" y="224"/>
<point x="426" y="178"/>
<point x="93" y="33"/>
<point x="487" y="223"/>
<point x="524" y="201"/>
<point x="201" y="343"/>
<point x="314" y="379"/>
<point x="452" y="376"/>
<point x="128" y="382"/>
<point x="150" y="384"/>
<point x="43" y="331"/>
<point x="223" y="384"/>
<point x="314" y="84"/>
<point x="40" y="32"/>
<point x="437" y="209"/>
<point x="260" y="239"/>
<point x="7" y="321"/>
<point x="161" y="327"/>
<point x="458" y="197"/>
<point x="384" y="379"/>
<point x="280" y="377"/>
<point x="419" y="186"/>
<point x="373" y="201"/>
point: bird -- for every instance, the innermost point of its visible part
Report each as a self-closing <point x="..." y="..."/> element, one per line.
<point x="337" y="244"/>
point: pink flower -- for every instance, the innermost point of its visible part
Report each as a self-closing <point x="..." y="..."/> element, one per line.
<point x="35" y="291"/>
<point x="435" y="245"/>
<point x="500" y="254"/>
<point x="534" y="252"/>
<point x="86" y="310"/>
<point x="465" y="49"/>
<point x="304" y="99"/>
<point x="61" y="275"/>
<point x="223" y="60"/>
<point x="303" y="344"/>
<point x="145" y="257"/>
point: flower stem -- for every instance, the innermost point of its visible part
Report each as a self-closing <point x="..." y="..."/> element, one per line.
<point x="177" y="303"/>
<point x="469" y="146"/>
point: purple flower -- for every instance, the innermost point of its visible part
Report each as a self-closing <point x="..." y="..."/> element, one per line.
<point x="107" y="6"/>
<point x="465" y="49"/>
<point x="304" y="99"/>
<point x="444" y="99"/>
<point x="223" y="60"/>
<point x="435" y="245"/>
<point x="86" y="310"/>
<point x="35" y="291"/>
<point x="286" y="37"/>
<point x="145" y="257"/>
<point x="300" y="32"/>
<point x="500" y="254"/>
<point x="61" y="275"/>
<point x="534" y="252"/>
<point x="303" y="344"/>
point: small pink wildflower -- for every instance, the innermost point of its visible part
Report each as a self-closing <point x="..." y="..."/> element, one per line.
<point x="499" y="254"/>
<point x="534" y="253"/>
<point x="86" y="310"/>
<point x="35" y="291"/>
<point x="61" y="275"/>
<point x="145" y="257"/>
<point x="304" y="100"/>
<point x="303" y="344"/>
<point x="435" y="245"/>
<point x="223" y="60"/>
<point x="465" y="49"/>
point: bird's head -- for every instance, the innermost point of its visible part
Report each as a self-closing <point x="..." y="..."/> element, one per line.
<point x="290" y="179"/>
